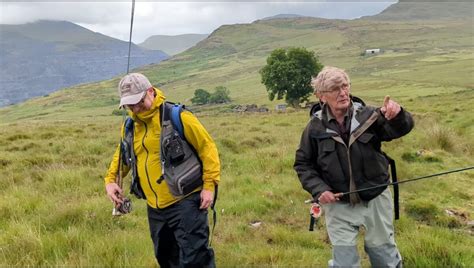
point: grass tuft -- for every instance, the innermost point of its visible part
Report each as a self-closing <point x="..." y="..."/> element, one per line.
<point x="443" y="137"/>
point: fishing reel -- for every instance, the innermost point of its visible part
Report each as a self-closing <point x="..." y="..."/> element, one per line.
<point x="315" y="212"/>
<point x="124" y="208"/>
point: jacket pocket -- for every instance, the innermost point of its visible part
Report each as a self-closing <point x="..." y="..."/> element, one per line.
<point x="328" y="145"/>
<point x="373" y="162"/>
<point x="328" y="161"/>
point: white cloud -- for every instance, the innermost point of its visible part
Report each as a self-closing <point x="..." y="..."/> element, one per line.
<point x="170" y="18"/>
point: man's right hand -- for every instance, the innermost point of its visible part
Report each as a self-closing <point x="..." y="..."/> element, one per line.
<point x="328" y="197"/>
<point x="114" y="193"/>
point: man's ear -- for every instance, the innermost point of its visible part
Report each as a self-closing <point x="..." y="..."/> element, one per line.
<point x="320" y="96"/>
<point x="317" y="94"/>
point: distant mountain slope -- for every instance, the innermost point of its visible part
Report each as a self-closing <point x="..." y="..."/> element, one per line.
<point x="233" y="54"/>
<point x="172" y="44"/>
<point x="431" y="54"/>
<point x="428" y="10"/>
<point x="283" y="16"/>
<point x="41" y="57"/>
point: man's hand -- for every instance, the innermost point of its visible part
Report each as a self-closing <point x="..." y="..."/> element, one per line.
<point x="114" y="193"/>
<point x="207" y="197"/>
<point x="390" y="109"/>
<point x="328" y="197"/>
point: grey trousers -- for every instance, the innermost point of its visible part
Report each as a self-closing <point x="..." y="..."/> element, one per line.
<point x="343" y="222"/>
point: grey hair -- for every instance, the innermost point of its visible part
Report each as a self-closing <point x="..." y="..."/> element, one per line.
<point x="328" y="78"/>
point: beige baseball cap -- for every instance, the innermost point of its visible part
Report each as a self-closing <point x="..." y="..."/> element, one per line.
<point x="132" y="88"/>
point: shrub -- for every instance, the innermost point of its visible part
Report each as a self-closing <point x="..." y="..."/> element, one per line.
<point x="220" y="95"/>
<point x="201" y="96"/>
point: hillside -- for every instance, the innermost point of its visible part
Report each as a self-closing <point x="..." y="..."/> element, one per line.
<point x="56" y="149"/>
<point x="172" y="44"/>
<point x="428" y="10"/>
<point x="39" y="58"/>
<point x="416" y="54"/>
<point x="283" y="16"/>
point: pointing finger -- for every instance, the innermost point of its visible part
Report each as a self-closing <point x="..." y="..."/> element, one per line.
<point x="386" y="100"/>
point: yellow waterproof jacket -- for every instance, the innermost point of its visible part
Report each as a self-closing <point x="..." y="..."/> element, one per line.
<point x="146" y="144"/>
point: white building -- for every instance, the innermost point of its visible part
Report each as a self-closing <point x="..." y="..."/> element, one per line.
<point x="372" y="51"/>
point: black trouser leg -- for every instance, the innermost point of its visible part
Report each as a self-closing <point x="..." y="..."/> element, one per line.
<point x="165" y="247"/>
<point x="190" y="229"/>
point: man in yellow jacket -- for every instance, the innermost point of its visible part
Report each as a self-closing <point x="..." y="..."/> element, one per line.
<point x="178" y="225"/>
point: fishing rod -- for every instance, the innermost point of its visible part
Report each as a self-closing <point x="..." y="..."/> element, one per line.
<point x="126" y="206"/>
<point x="397" y="182"/>
<point x="404" y="181"/>
<point x="315" y="210"/>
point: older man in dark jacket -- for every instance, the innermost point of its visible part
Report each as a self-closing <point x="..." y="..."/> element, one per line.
<point x="340" y="151"/>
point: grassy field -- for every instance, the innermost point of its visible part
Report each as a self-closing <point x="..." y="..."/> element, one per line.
<point x="56" y="149"/>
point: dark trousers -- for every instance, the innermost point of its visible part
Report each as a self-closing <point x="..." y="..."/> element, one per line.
<point x="180" y="234"/>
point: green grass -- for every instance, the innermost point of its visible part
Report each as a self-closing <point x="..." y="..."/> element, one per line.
<point x="56" y="149"/>
<point x="54" y="210"/>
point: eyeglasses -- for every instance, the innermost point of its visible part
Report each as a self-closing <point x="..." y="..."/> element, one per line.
<point x="344" y="87"/>
<point x="141" y="102"/>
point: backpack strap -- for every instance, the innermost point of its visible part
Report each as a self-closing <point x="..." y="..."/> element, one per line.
<point x="176" y="110"/>
<point x="128" y="125"/>
<point x="214" y="214"/>
<point x="126" y="141"/>
<point x="172" y="111"/>
<point x="396" y="191"/>
<point x="129" y="158"/>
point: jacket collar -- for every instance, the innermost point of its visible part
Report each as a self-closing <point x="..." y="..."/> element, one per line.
<point x="147" y="115"/>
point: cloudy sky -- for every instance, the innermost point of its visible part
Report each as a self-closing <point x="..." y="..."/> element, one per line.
<point x="171" y="18"/>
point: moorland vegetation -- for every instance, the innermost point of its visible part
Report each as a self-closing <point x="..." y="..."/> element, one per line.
<point x="56" y="149"/>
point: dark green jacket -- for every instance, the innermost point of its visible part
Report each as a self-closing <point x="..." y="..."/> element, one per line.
<point x="325" y="163"/>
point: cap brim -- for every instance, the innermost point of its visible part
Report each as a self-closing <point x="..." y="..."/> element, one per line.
<point x="132" y="99"/>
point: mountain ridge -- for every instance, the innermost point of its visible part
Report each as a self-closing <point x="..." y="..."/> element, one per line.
<point x="39" y="58"/>
<point x="233" y="43"/>
<point x="172" y="44"/>
<point x="426" y="10"/>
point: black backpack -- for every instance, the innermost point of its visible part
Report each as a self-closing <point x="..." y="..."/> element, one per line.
<point x="180" y="164"/>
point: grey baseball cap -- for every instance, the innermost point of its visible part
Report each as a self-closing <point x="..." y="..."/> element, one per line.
<point x="132" y="88"/>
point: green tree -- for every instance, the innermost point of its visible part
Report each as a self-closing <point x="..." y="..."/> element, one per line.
<point x="220" y="95"/>
<point x="201" y="96"/>
<point x="288" y="73"/>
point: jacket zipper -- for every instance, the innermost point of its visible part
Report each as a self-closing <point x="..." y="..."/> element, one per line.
<point x="351" y="179"/>
<point x="146" y="161"/>
<point x="352" y="138"/>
